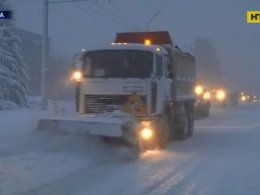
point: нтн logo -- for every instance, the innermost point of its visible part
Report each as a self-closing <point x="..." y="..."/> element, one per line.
<point x="253" y="16"/>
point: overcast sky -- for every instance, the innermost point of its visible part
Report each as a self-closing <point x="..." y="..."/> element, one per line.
<point x="88" y="24"/>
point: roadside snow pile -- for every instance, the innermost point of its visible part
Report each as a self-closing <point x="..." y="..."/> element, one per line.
<point x="7" y="105"/>
<point x="34" y="101"/>
<point x="31" y="158"/>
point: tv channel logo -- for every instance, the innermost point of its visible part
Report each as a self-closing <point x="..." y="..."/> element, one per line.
<point x="5" y="14"/>
<point x="253" y="17"/>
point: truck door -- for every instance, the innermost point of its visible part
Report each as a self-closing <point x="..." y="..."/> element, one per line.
<point x="163" y="82"/>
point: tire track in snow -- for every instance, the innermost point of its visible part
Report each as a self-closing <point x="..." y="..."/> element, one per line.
<point x="173" y="179"/>
<point x="234" y="145"/>
<point x="171" y="183"/>
<point x="70" y="183"/>
<point x="220" y="182"/>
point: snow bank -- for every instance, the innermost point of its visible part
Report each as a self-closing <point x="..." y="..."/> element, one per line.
<point x="7" y="105"/>
<point x="31" y="158"/>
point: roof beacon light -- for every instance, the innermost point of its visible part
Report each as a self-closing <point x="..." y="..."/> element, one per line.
<point x="147" y="42"/>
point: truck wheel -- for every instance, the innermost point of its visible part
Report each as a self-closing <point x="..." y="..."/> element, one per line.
<point x="164" y="131"/>
<point x="182" y="132"/>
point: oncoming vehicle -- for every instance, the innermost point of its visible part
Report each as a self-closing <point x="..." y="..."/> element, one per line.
<point x="202" y="105"/>
<point x="220" y="97"/>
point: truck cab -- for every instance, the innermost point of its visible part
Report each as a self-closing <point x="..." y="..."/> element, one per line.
<point x="129" y="77"/>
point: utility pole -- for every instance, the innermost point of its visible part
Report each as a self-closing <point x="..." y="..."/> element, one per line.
<point x="44" y="56"/>
<point x="45" y="48"/>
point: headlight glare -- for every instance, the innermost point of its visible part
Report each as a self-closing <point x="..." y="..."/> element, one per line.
<point x="206" y="96"/>
<point x="198" y="90"/>
<point x="77" y="76"/>
<point x="146" y="133"/>
<point x="221" y="95"/>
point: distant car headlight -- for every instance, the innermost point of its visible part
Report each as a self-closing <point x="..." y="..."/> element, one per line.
<point x="146" y="133"/>
<point x="206" y="96"/>
<point x="77" y="76"/>
<point x="221" y="95"/>
<point x="243" y="98"/>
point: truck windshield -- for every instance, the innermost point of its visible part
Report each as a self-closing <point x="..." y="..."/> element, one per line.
<point x="118" y="64"/>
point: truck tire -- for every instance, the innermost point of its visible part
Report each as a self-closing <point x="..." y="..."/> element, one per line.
<point x="182" y="132"/>
<point x="164" y="131"/>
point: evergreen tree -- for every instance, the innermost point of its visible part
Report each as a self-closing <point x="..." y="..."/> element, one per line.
<point x="13" y="77"/>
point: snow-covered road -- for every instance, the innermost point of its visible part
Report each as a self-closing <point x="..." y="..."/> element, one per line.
<point x="221" y="158"/>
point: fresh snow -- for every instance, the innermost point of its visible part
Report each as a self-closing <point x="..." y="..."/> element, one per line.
<point x="221" y="158"/>
<point x="13" y="70"/>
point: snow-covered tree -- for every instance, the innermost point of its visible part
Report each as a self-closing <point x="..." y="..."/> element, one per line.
<point x="13" y="77"/>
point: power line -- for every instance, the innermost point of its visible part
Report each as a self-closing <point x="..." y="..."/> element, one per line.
<point x="104" y="15"/>
<point x="71" y="17"/>
<point x="109" y="12"/>
<point x="87" y="12"/>
<point x="118" y="7"/>
<point x="116" y="16"/>
<point x="115" y="6"/>
<point x="91" y="8"/>
<point x="151" y="19"/>
<point x="100" y="7"/>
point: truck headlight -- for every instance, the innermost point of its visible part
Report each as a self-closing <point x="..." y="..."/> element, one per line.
<point x="198" y="90"/>
<point x="221" y="95"/>
<point x="146" y="133"/>
<point x="77" y="76"/>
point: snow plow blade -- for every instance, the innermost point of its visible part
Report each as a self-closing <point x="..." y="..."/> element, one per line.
<point x="80" y="127"/>
<point x="110" y="126"/>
